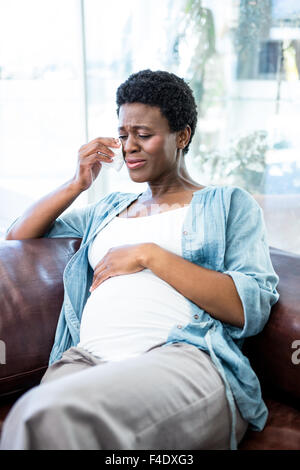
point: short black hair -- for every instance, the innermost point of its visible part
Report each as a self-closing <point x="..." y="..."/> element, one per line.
<point x="165" y="90"/>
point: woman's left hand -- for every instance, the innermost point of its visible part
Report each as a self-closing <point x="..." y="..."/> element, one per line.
<point x="124" y="259"/>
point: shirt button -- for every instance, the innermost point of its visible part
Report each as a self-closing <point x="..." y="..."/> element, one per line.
<point x="185" y="232"/>
<point x="196" y="316"/>
<point x="179" y="326"/>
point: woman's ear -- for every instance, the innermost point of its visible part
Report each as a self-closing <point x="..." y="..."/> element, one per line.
<point x="183" y="137"/>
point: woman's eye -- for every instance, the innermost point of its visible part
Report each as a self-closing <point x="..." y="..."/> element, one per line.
<point x="141" y="136"/>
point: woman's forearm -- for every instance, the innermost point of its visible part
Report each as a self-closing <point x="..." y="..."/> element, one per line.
<point x="38" y="218"/>
<point x="212" y="291"/>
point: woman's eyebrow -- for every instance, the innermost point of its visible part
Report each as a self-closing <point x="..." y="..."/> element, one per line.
<point x="136" y="127"/>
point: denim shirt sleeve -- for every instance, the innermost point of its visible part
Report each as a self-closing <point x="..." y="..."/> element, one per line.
<point x="70" y="224"/>
<point x="78" y="221"/>
<point x="74" y="222"/>
<point x="248" y="262"/>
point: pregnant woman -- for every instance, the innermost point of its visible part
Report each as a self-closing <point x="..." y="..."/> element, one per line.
<point x="158" y="299"/>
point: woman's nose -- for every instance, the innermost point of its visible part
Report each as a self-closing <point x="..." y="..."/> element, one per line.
<point x="130" y="144"/>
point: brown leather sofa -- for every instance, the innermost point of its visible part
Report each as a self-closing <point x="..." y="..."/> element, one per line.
<point x="31" y="293"/>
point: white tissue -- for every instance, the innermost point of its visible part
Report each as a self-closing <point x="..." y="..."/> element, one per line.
<point x="118" y="159"/>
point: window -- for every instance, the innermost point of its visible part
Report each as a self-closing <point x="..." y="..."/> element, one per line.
<point x="241" y="57"/>
<point x="242" y="60"/>
<point x="41" y="100"/>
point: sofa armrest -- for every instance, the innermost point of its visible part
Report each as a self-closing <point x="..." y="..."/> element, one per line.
<point x="271" y="353"/>
<point x="31" y="293"/>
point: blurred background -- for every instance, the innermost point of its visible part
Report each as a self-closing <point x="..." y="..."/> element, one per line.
<point x="61" y="62"/>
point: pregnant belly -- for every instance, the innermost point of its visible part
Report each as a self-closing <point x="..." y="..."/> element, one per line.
<point x="133" y="303"/>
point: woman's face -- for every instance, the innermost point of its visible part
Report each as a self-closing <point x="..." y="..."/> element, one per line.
<point x="145" y="135"/>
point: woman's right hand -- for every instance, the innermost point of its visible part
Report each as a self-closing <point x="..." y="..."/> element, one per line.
<point x="89" y="161"/>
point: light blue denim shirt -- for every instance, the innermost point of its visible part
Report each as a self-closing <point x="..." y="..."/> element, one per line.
<point x="234" y="243"/>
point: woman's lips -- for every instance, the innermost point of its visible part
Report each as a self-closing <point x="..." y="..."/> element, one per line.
<point x="132" y="166"/>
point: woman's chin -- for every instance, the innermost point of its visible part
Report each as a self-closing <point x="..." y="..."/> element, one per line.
<point x="138" y="178"/>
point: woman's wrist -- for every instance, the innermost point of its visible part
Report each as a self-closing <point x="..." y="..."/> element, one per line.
<point x="74" y="187"/>
<point x="146" y="252"/>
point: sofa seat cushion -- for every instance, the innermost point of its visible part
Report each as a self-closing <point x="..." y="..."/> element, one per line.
<point x="282" y="430"/>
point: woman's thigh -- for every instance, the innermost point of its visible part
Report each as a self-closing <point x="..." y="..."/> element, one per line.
<point x="171" y="397"/>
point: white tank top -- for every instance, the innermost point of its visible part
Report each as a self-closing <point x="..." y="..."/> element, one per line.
<point x="128" y="314"/>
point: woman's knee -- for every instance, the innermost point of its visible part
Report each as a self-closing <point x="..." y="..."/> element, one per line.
<point x="34" y="409"/>
<point x="51" y="417"/>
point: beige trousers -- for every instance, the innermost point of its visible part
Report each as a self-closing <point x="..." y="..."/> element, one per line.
<point x="170" y="398"/>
